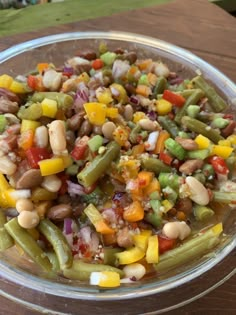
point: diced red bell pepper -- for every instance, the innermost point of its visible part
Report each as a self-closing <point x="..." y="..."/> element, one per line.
<point x="35" y="83"/>
<point x="165" y="244"/>
<point x="166" y="158"/>
<point x="34" y="155"/>
<point x="78" y="153"/>
<point x="173" y="98"/>
<point x="97" y="64"/>
<point x="219" y="165"/>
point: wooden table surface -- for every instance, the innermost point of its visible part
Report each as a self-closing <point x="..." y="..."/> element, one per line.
<point x="210" y="33"/>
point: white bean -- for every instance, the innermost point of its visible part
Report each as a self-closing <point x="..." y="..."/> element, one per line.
<point x="148" y="124"/>
<point x="24" y="205"/>
<point x="198" y="193"/>
<point x="107" y="129"/>
<point x="28" y="219"/>
<point x="41" y="137"/>
<point x="52" y="79"/>
<point x="176" y="230"/>
<point x="57" y="137"/>
<point x="7" y="167"/>
<point x="134" y="270"/>
<point x="51" y="183"/>
<point x="128" y="112"/>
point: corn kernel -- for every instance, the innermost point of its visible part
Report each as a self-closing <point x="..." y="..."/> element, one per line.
<point x="83" y="77"/>
<point x="138" y="116"/>
<point x="49" y="108"/>
<point x="163" y="107"/>
<point x="17" y="87"/>
<point x="5" y="81"/>
<point x="29" y="125"/>
<point x="167" y="205"/>
<point x="203" y="142"/>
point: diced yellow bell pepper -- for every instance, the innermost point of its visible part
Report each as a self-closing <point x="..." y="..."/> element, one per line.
<point x="225" y="143"/>
<point x="232" y="139"/>
<point x="138" y="116"/>
<point x="104" y="96"/>
<point x="96" y="113"/>
<point x="67" y="160"/>
<point x="112" y="112"/>
<point x="121" y="135"/>
<point x="49" y="108"/>
<point x="83" y="77"/>
<point x="167" y="205"/>
<point x="129" y="168"/>
<point x="51" y="166"/>
<point x="29" y="125"/>
<point x="141" y="241"/>
<point x="163" y="107"/>
<point x="108" y="279"/>
<point x="130" y="255"/>
<point x="5" y="81"/>
<point x="134" y="212"/>
<point x="221" y="151"/>
<point x="152" y="253"/>
<point x="202" y="141"/>
<point x="18" y="87"/>
<point x="4" y="185"/>
<point x="6" y="200"/>
<point x="119" y="92"/>
<point x="217" y="229"/>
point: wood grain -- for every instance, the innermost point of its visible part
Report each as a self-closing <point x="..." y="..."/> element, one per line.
<point x="207" y="31"/>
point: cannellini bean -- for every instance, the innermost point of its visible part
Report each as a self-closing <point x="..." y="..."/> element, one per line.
<point x="52" y="79"/>
<point x="176" y="229"/>
<point x="128" y="112"/>
<point x="148" y="124"/>
<point x="57" y="137"/>
<point x="28" y="219"/>
<point x="134" y="270"/>
<point x="198" y="193"/>
<point x="41" y="137"/>
<point x="107" y="129"/>
<point x="51" y="183"/>
<point x="7" y="167"/>
<point x="24" y="205"/>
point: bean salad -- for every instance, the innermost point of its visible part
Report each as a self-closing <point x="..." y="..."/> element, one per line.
<point x="113" y="167"/>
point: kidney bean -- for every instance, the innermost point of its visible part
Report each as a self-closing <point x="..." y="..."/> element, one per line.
<point x="9" y="95"/>
<point x="75" y="122"/>
<point x="191" y="166"/>
<point x="59" y="212"/>
<point x="187" y="144"/>
<point x="7" y="106"/>
<point x="185" y="205"/>
<point x="88" y="54"/>
<point x="227" y="131"/>
<point x="29" y="179"/>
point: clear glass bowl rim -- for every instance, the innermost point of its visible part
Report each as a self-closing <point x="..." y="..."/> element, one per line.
<point x="72" y="292"/>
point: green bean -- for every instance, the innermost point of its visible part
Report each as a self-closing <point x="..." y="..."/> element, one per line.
<point x="160" y="86"/>
<point x="53" y="260"/>
<point x="198" y="154"/>
<point x="154" y="165"/>
<point x="169" y="179"/>
<point x="93" y="171"/>
<point x="224" y="197"/>
<point x="58" y="241"/>
<point x="28" y="244"/>
<point x="191" y="100"/>
<point x="169" y="125"/>
<point x="32" y="112"/>
<point x="202" y="213"/>
<point x="199" y="127"/>
<point x="175" y="149"/>
<point x="109" y="255"/>
<point x="81" y="270"/>
<point x="189" y="250"/>
<point x="64" y="101"/>
<point x="193" y="111"/>
<point x="215" y="100"/>
<point x="154" y="217"/>
<point x="134" y="134"/>
<point x="6" y="241"/>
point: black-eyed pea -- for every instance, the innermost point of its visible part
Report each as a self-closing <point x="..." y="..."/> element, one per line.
<point x="51" y="183"/>
<point x="134" y="271"/>
<point x="198" y="192"/>
<point x="107" y="129"/>
<point x="28" y="219"/>
<point x="174" y="230"/>
<point x="24" y="205"/>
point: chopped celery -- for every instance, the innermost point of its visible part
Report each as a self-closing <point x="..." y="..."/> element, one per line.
<point x="202" y="213"/>
<point x="3" y="123"/>
<point x="95" y="143"/>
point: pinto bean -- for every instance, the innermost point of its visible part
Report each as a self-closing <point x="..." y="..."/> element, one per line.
<point x="191" y="166"/>
<point x="85" y="129"/>
<point x="228" y="130"/>
<point x="124" y="239"/>
<point x="7" y="106"/>
<point x="187" y="144"/>
<point x="59" y="212"/>
<point x="29" y="179"/>
<point x="75" y="121"/>
<point x="185" y="205"/>
<point x="9" y="95"/>
<point x="131" y="56"/>
<point x="88" y="54"/>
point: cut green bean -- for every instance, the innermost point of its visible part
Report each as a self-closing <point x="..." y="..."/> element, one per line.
<point x="199" y="127"/>
<point x="32" y="112"/>
<point x="169" y="179"/>
<point x="28" y="244"/>
<point x="58" y="241"/>
<point x="224" y="197"/>
<point x="64" y="101"/>
<point x="215" y="100"/>
<point x="160" y="86"/>
<point x="169" y="125"/>
<point x="109" y="255"/>
<point x="93" y="171"/>
<point x="190" y="249"/>
<point x="81" y="270"/>
<point x="133" y="137"/>
<point x="6" y="241"/>
<point x="95" y="143"/>
<point x="154" y="165"/>
<point x="202" y="213"/>
<point x="175" y="149"/>
<point x="198" y="154"/>
<point x="193" y="99"/>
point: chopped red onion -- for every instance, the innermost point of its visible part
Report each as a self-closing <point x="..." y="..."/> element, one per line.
<point x="68" y="70"/>
<point x="67" y="226"/>
<point x="120" y="68"/>
<point x="75" y="189"/>
<point x="81" y="97"/>
<point x="152" y="115"/>
<point x="110" y="215"/>
<point x="134" y="100"/>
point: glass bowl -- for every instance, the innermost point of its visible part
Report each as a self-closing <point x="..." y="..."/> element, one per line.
<point x="20" y="281"/>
